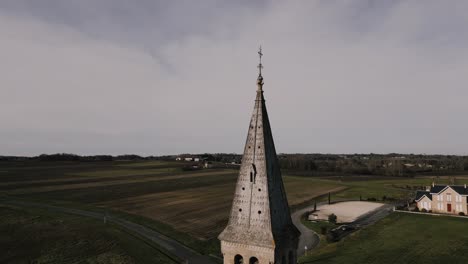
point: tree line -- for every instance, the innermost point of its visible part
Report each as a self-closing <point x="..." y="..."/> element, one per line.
<point x="392" y="164"/>
<point x="374" y="164"/>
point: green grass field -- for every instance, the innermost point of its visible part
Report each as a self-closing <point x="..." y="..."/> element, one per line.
<point x="401" y="238"/>
<point x="190" y="206"/>
<point x="396" y="188"/>
<point x="40" y="236"/>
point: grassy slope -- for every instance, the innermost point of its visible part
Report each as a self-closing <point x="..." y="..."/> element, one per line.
<point x="39" y="236"/>
<point x="401" y="238"/>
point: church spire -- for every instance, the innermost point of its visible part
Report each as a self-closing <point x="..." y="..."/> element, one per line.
<point x="260" y="67"/>
<point x="260" y="229"/>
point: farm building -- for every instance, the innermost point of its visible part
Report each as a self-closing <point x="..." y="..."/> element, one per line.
<point x="447" y="199"/>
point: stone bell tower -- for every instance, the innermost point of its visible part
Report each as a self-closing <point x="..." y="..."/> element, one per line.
<point x="260" y="229"/>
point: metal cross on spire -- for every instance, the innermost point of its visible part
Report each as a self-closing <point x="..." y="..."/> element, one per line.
<point x="260" y="66"/>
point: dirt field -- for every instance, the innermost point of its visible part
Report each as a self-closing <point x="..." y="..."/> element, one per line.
<point x="203" y="211"/>
<point x="346" y="211"/>
<point x="194" y="202"/>
<point x="109" y="182"/>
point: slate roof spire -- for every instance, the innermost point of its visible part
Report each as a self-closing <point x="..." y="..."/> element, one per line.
<point x="260" y="218"/>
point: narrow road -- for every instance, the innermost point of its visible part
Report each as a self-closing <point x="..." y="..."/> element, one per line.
<point x="171" y="245"/>
<point x="373" y="216"/>
<point x="308" y="238"/>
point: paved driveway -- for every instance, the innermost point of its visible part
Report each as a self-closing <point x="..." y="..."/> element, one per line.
<point x="308" y="238"/>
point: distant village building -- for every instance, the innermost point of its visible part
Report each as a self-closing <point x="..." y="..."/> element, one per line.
<point x="208" y="164"/>
<point x="260" y="229"/>
<point x="446" y="199"/>
<point x="189" y="158"/>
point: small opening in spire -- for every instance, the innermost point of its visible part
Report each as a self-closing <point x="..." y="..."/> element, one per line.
<point x="253" y="173"/>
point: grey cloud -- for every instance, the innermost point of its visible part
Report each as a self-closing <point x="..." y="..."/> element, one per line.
<point x="152" y="77"/>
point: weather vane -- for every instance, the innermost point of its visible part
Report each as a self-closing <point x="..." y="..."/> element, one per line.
<point x="260" y="66"/>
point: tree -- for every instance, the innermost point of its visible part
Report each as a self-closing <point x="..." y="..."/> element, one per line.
<point x="315" y="206"/>
<point x="332" y="218"/>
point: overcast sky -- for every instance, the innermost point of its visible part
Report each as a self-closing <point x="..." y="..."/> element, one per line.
<point x="166" y="77"/>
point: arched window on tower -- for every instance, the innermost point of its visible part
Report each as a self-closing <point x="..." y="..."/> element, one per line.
<point x="253" y="260"/>
<point x="238" y="259"/>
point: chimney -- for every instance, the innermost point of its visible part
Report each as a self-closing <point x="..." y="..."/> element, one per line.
<point x="465" y="185"/>
<point x="433" y="184"/>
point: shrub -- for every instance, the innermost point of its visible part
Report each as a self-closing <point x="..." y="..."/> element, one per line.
<point x="416" y="209"/>
<point x="371" y="199"/>
<point x="323" y="230"/>
<point x="401" y="207"/>
<point x="332" y="237"/>
<point x="461" y="213"/>
<point x="332" y="218"/>
<point x="424" y="210"/>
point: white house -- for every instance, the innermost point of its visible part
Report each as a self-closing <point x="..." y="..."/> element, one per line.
<point x="447" y="199"/>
